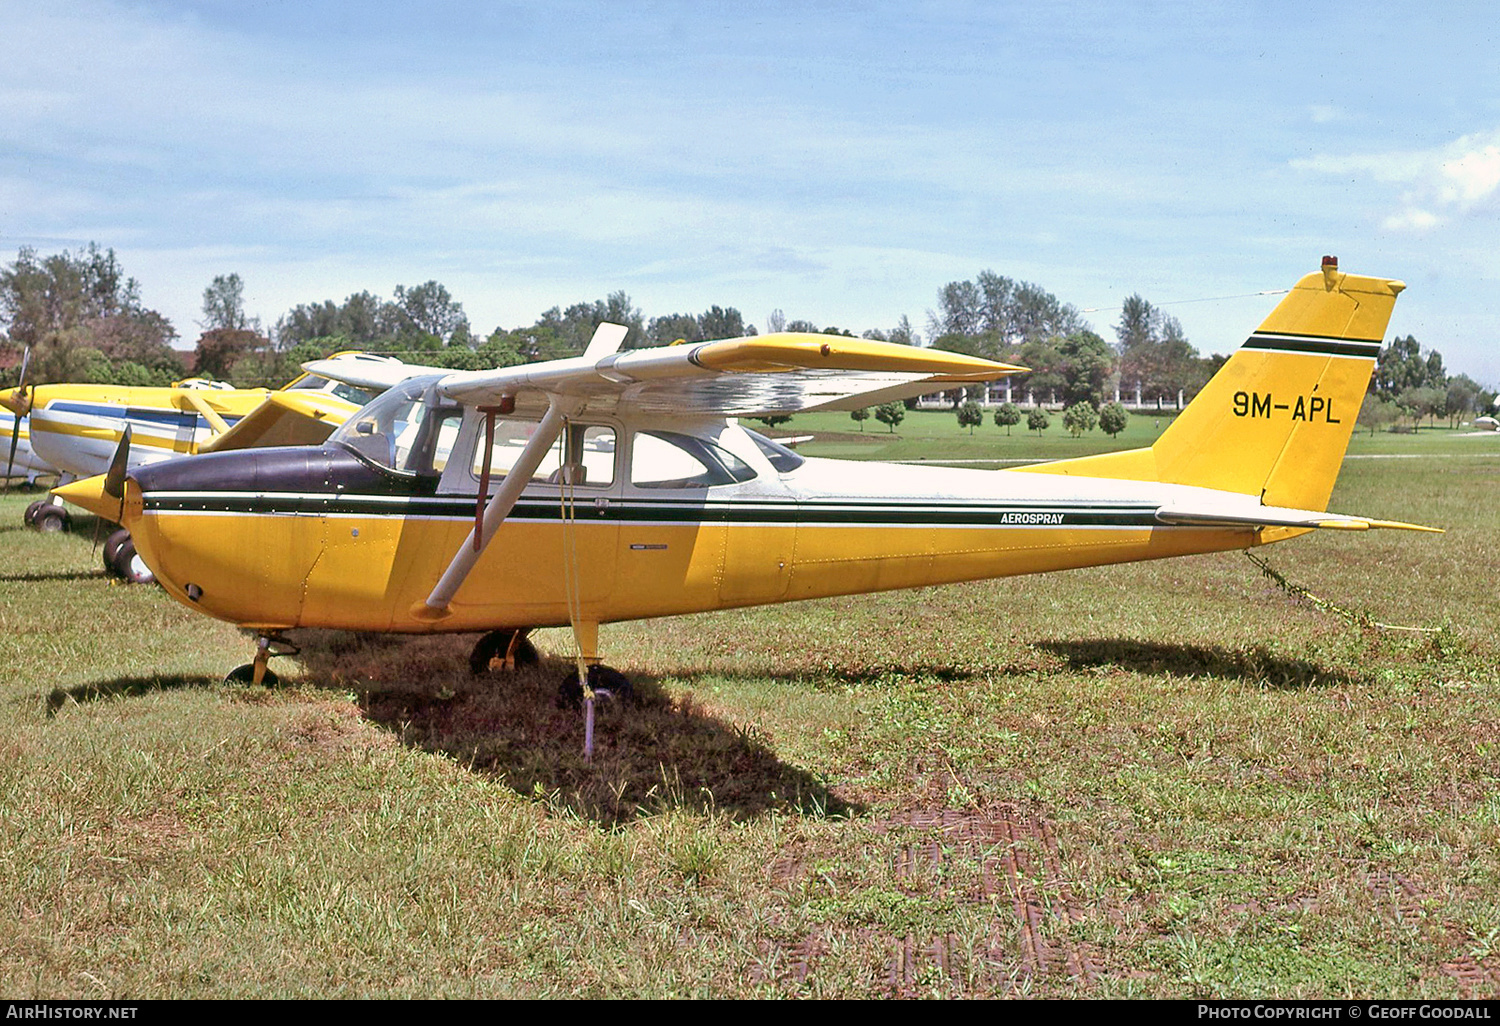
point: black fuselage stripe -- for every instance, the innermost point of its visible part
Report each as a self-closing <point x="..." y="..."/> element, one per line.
<point x="1006" y="515"/>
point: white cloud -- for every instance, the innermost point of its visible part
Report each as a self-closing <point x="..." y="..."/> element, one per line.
<point x="1443" y="182"/>
<point x="1474" y="175"/>
<point x="1411" y="219"/>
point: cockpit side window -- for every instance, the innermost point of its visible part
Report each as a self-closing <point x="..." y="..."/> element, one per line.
<point x="583" y="456"/>
<point x="344" y="390"/>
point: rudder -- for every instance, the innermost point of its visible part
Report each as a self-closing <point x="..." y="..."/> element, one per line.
<point x="1275" y="421"/>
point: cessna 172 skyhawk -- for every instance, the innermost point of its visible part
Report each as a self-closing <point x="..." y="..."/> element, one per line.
<point x="616" y="486"/>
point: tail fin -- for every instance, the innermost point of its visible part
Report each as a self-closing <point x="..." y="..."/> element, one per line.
<point x="1275" y="420"/>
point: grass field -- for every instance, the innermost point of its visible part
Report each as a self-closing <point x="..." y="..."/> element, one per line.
<point x="1173" y="779"/>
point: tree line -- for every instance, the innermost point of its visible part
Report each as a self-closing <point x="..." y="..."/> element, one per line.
<point x="1410" y="384"/>
<point x="83" y="320"/>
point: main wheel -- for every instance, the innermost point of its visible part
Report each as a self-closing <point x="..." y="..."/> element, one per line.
<point x="489" y="652"/>
<point x="31" y="511"/>
<point x="246" y="675"/>
<point x="606" y="681"/>
<point x="51" y="518"/>
<point x="129" y="566"/>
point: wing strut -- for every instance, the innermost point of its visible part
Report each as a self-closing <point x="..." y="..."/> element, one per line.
<point x="211" y="415"/>
<point x="559" y="408"/>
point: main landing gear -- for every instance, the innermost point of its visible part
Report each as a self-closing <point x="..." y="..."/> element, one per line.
<point x="48" y="516"/>
<point x="508" y="650"/>
<point x="258" y="672"/>
<point x="502" y="650"/>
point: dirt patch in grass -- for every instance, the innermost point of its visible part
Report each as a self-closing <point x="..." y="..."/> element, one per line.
<point x="1476" y="972"/>
<point x="1001" y="864"/>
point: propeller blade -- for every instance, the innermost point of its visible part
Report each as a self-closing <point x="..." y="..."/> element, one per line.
<point x="15" y="440"/>
<point x="114" y="478"/>
<point x="22" y="408"/>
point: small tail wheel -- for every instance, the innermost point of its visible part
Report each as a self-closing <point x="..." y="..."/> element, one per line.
<point x="606" y="681"/>
<point x="266" y="646"/>
<point x="490" y="651"/>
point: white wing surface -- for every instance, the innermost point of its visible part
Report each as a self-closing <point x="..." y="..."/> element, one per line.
<point x="786" y="372"/>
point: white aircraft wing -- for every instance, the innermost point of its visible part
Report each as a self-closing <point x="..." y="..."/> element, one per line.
<point x="785" y="372"/>
<point x="367" y="370"/>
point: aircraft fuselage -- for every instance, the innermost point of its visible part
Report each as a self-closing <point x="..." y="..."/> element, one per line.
<point x="325" y="537"/>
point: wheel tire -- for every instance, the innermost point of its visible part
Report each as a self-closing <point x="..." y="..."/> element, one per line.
<point x="129" y="566"/>
<point x="111" y="548"/>
<point x="246" y="675"/>
<point x="492" y="647"/>
<point x="606" y="681"/>
<point x="51" y="519"/>
<point x="31" y="511"/>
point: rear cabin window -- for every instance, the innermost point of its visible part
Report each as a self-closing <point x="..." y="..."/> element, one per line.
<point x="666" y="459"/>
<point x="779" y="456"/>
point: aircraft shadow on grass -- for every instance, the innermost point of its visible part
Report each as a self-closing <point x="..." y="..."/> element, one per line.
<point x="122" y="687"/>
<point x="1257" y="666"/>
<point x="656" y="752"/>
<point x="652" y="753"/>
<point x="51" y="575"/>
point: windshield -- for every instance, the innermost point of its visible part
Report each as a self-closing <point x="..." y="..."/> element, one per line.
<point x="341" y="389"/>
<point x="401" y="432"/>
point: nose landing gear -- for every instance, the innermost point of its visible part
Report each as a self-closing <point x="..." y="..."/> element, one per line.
<point x="258" y="672"/>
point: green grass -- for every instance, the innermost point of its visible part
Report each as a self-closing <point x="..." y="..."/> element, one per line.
<point x="1202" y="784"/>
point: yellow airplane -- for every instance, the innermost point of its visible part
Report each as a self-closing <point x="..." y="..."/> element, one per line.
<point x="617" y="486"/>
<point x="75" y="429"/>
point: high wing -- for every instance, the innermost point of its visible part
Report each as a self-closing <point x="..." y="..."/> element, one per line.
<point x="786" y="372"/>
<point x="367" y="370"/>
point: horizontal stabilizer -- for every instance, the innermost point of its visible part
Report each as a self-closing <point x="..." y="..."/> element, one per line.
<point x="298" y="417"/>
<point x="1277" y="516"/>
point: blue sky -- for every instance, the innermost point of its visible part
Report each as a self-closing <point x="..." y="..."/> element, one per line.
<point x="837" y="161"/>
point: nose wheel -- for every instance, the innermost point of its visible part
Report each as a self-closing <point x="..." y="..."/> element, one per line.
<point x="122" y="561"/>
<point x="257" y="672"/>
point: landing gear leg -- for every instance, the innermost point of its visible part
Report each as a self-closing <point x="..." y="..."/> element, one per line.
<point x="258" y="672"/>
<point x="598" y="682"/>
